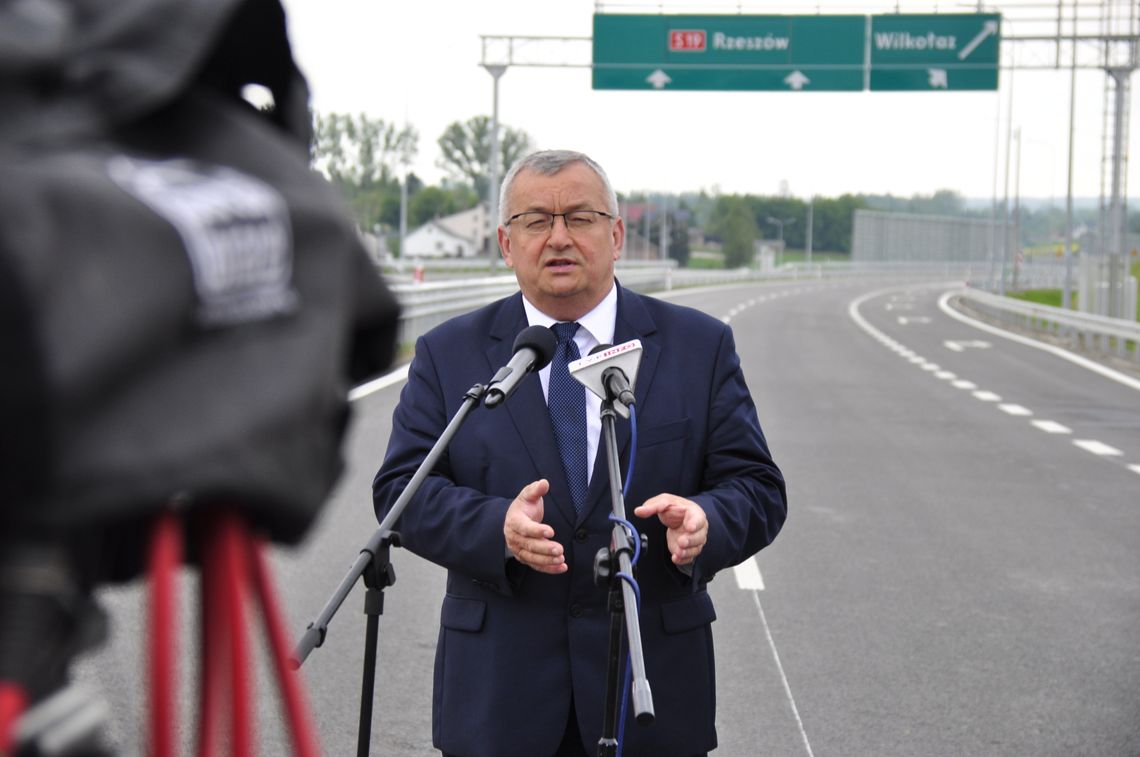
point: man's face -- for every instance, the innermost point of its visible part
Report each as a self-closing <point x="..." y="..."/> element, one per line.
<point x="564" y="273"/>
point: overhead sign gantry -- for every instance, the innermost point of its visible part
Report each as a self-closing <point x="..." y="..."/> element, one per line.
<point x="825" y="53"/>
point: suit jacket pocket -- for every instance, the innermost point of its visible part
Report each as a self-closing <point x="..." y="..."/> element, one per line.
<point x="462" y="614"/>
<point x="688" y="613"/>
<point x="666" y="432"/>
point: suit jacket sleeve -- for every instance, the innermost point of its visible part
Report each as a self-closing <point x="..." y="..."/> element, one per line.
<point x="454" y="526"/>
<point x="742" y="490"/>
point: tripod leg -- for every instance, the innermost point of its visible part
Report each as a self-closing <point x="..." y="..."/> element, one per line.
<point x="231" y="535"/>
<point x="296" y="708"/>
<point x="165" y="557"/>
<point x="214" y="649"/>
<point x="373" y="607"/>
<point x="607" y="744"/>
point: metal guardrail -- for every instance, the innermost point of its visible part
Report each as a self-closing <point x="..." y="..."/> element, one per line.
<point x="427" y="304"/>
<point x="1082" y="330"/>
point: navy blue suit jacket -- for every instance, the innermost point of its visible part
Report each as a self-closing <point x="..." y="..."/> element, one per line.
<point x="514" y="644"/>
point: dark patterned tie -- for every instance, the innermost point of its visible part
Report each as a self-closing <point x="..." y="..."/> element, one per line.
<point x="566" y="400"/>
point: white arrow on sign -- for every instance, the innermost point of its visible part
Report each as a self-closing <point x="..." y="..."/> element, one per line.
<point x="658" y="79"/>
<point x="938" y="78"/>
<point x="990" y="27"/>
<point x="796" y="80"/>
<point x="962" y="345"/>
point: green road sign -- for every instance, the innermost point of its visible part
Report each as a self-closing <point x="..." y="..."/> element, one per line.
<point x="796" y="53"/>
<point x="951" y="51"/>
<point x="821" y="53"/>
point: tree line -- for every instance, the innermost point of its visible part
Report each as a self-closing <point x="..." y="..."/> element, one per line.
<point x="367" y="158"/>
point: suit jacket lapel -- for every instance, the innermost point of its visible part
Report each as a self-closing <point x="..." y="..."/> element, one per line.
<point x="527" y="408"/>
<point x="633" y="322"/>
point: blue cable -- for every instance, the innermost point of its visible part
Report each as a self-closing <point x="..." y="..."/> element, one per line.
<point x="628" y="577"/>
<point x="632" y="450"/>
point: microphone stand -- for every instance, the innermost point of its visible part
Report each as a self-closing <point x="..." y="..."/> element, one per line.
<point x="375" y="566"/>
<point x="608" y="565"/>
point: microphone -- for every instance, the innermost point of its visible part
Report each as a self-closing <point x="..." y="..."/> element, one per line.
<point x="610" y="372"/>
<point x="534" y="348"/>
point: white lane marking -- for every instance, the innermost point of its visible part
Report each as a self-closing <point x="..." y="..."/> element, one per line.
<point x="946" y="375"/>
<point x="1117" y="376"/>
<point x="1015" y="410"/>
<point x="1097" y="448"/>
<point x="748" y="575"/>
<point x="932" y="367"/>
<point x="1052" y="427"/>
<point x="985" y="396"/>
<point x="783" y="675"/>
<point x="375" y="385"/>
<point x="916" y="359"/>
<point x="960" y="345"/>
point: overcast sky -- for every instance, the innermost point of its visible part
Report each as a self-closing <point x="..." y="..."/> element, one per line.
<point x="419" y="61"/>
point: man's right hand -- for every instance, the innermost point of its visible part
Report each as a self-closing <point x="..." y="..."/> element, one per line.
<point x="529" y="539"/>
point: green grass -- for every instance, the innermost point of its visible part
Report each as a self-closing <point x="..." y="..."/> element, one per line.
<point x="1041" y="296"/>
<point x="705" y="261"/>
<point x="817" y="256"/>
<point x="1136" y="274"/>
<point x="704" y="258"/>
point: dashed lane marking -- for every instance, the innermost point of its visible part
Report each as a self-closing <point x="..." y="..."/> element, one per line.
<point x="1097" y="448"/>
<point x="748" y="575"/>
<point x="1052" y="427"/>
<point x="1093" y="446"/>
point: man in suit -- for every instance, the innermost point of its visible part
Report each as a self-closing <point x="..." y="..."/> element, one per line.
<point x="517" y="507"/>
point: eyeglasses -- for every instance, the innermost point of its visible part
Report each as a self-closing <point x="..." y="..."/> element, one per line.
<point x="534" y="222"/>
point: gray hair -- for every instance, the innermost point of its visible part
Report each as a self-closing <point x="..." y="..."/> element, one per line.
<point x="548" y="163"/>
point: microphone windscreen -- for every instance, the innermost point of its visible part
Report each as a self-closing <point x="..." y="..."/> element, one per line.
<point x="541" y="340"/>
<point x="600" y="348"/>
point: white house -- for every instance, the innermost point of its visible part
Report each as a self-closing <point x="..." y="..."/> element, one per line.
<point x="461" y="235"/>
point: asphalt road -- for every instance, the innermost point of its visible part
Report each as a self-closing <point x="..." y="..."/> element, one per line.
<point x="959" y="573"/>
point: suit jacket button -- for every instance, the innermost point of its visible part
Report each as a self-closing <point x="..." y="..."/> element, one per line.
<point x="580" y="535"/>
<point x="575" y="610"/>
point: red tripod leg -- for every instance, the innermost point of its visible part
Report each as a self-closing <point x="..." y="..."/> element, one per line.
<point x="296" y="707"/>
<point x="214" y="643"/>
<point x="164" y="559"/>
<point x="231" y="536"/>
<point x="13" y="701"/>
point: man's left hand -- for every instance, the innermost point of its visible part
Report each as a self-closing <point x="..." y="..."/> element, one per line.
<point x="687" y="527"/>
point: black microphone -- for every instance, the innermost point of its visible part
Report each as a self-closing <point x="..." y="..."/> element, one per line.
<point x="610" y="372"/>
<point x="534" y="349"/>
<point x="614" y="380"/>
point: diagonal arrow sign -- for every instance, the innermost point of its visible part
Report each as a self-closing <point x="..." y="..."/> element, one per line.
<point x="988" y="28"/>
<point x="938" y="78"/>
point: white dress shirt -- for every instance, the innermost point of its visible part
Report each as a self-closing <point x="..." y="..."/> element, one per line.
<point x="596" y="327"/>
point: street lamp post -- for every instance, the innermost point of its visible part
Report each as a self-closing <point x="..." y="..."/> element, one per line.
<point x="779" y="223"/>
<point x="493" y="184"/>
